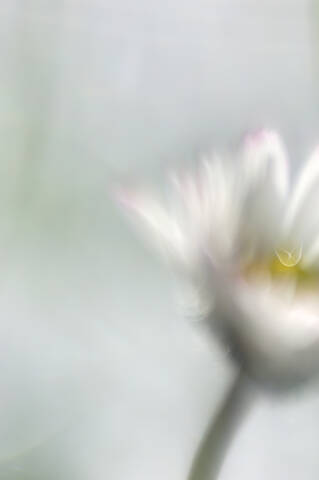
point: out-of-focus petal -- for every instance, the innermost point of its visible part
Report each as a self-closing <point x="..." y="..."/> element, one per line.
<point x="215" y="182"/>
<point x="220" y="207"/>
<point x="202" y="203"/>
<point x="153" y="219"/>
<point x="186" y="203"/>
<point x="265" y="180"/>
<point x="310" y="258"/>
<point x="265" y="160"/>
<point x="303" y="215"/>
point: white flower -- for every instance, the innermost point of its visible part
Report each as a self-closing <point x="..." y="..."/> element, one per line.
<point x="248" y="243"/>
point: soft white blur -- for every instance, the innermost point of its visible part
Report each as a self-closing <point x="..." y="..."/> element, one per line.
<point x="100" y="378"/>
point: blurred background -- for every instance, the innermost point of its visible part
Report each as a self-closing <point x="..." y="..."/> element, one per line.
<point x="101" y="377"/>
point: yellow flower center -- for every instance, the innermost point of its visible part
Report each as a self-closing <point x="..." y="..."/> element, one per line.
<point x="284" y="264"/>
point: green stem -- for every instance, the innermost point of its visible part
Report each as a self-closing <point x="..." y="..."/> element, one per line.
<point x="212" y="450"/>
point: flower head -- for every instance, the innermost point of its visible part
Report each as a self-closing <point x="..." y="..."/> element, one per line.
<point x="247" y="241"/>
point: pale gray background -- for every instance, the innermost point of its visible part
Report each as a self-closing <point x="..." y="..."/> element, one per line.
<point x="100" y="377"/>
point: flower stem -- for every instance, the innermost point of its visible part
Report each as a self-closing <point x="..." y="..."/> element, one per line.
<point x="212" y="450"/>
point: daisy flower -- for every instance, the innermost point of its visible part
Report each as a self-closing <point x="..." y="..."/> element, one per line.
<point x="244" y="239"/>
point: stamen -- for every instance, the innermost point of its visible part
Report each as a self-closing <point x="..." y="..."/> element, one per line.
<point x="289" y="258"/>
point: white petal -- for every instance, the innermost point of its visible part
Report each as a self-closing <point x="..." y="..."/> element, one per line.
<point x="154" y="221"/>
<point x="265" y="182"/>
<point x="311" y="256"/>
<point x="203" y="204"/>
<point x="221" y="206"/>
<point x="265" y="159"/>
<point x="303" y="215"/>
<point x="186" y="202"/>
<point x="308" y="179"/>
<point x="215" y="179"/>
